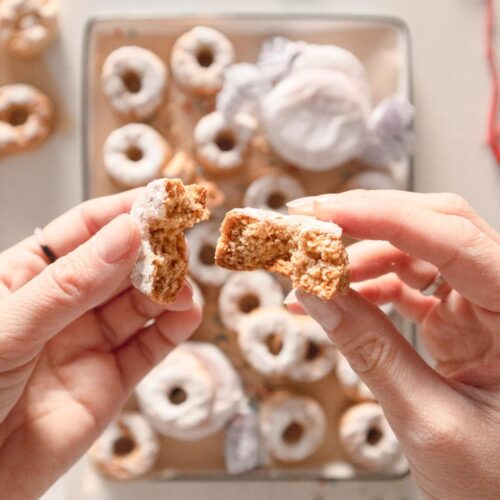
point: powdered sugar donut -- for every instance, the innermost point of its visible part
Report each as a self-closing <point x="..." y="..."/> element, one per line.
<point x="128" y="448"/>
<point x="273" y="192"/>
<point x="351" y="384"/>
<point x="367" y="439"/>
<point x="243" y="292"/>
<point x="221" y="145"/>
<point x="293" y="426"/>
<point x="315" y="119"/>
<point x="199" y="59"/>
<point x="135" y="154"/>
<point x="134" y="79"/>
<point x="26" y="116"/>
<point x="192" y="393"/>
<point x="27" y="27"/>
<point x="320" y="355"/>
<point x="271" y="341"/>
<point x="202" y="242"/>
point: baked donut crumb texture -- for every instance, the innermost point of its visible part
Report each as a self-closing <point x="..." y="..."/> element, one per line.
<point x="308" y="251"/>
<point x="164" y="211"/>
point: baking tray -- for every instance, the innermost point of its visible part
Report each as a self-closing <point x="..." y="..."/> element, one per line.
<point x="383" y="45"/>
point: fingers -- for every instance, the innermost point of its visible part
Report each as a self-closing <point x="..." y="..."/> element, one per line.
<point x="148" y="347"/>
<point x="452" y="243"/>
<point x="131" y="310"/>
<point x="401" y="381"/>
<point x="67" y="288"/>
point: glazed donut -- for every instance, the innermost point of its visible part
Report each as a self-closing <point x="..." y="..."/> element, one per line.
<point x="273" y="192"/>
<point x="352" y="385"/>
<point x="370" y="179"/>
<point x="199" y="59"/>
<point x="27" y="27"/>
<point x="202" y="241"/>
<point x="367" y="438"/>
<point x="271" y="341"/>
<point x="221" y="145"/>
<point x="26" y="117"/>
<point x="245" y="291"/>
<point x="135" y="154"/>
<point x="293" y="427"/>
<point x="134" y="79"/>
<point x="320" y="355"/>
<point x="191" y="394"/>
<point x="315" y="119"/>
<point x="128" y="448"/>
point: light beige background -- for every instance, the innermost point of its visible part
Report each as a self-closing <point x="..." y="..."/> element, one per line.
<point x="451" y="90"/>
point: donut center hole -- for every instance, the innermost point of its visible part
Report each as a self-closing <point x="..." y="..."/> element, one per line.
<point x="134" y="153"/>
<point x="313" y="351"/>
<point x="123" y="446"/>
<point x="207" y="255"/>
<point x="248" y="303"/>
<point x="205" y="57"/>
<point x="27" y="20"/>
<point x="225" y="140"/>
<point x="293" y="433"/>
<point x="276" y="200"/>
<point x="177" y="396"/>
<point x="17" y="115"/>
<point x="132" y="81"/>
<point x="274" y="343"/>
<point x="373" y="436"/>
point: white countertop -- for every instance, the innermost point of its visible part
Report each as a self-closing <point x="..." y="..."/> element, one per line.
<point x="451" y="93"/>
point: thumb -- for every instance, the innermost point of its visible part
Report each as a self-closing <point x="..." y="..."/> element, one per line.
<point x="399" y="378"/>
<point x="67" y="288"/>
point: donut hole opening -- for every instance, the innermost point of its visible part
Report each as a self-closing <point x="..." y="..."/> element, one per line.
<point x="177" y="395"/>
<point x="207" y="255"/>
<point x="225" y="140"/>
<point x="17" y="115"/>
<point x="313" y="351"/>
<point x="123" y="446"/>
<point x="27" y="20"/>
<point x="274" y="343"/>
<point x="134" y="153"/>
<point x="293" y="433"/>
<point x="205" y="57"/>
<point x="132" y="81"/>
<point x="276" y="200"/>
<point x="248" y="303"/>
<point x="373" y="436"/>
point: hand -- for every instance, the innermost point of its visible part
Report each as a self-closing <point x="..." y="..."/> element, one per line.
<point x="447" y="418"/>
<point x="73" y="340"/>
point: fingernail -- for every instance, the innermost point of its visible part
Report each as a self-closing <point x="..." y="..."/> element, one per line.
<point x="115" y="240"/>
<point x="325" y="312"/>
<point x="290" y="298"/>
<point x="301" y="202"/>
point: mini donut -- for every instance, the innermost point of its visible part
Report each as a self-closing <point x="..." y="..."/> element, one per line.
<point x="28" y="27"/>
<point x="271" y="341"/>
<point x="134" y="79"/>
<point x="352" y="385"/>
<point x="273" y="192"/>
<point x="367" y="439"/>
<point x="192" y="394"/>
<point x="199" y="59"/>
<point x="370" y="179"/>
<point x="293" y="426"/>
<point x="135" y="154"/>
<point x="202" y="241"/>
<point x="26" y="116"/>
<point x="243" y="292"/>
<point x="315" y="119"/>
<point x="128" y="448"/>
<point x="221" y="145"/>
<point x="320" y="355"/>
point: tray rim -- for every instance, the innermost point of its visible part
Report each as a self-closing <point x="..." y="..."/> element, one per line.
<point x="277" y="474"/>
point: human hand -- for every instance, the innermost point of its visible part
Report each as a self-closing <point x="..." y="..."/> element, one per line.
<point x="448" y="418"/>
<point x="73" y="340"/>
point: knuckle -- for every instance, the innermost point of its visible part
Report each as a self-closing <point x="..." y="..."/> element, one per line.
<point x="457" y="204"/>
<point x="150" y="355"/>
<point x="137" y="303"/>
<point x="67" y="279"/>
<point x="468" y="237"/>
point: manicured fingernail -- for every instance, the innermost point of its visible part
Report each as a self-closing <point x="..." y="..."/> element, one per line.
<point x="325" y="312"/>
<point x="115" y="240"/>
<point x="290" y="298"/>
<point x="301" y="202"/>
